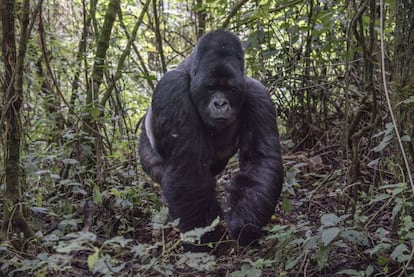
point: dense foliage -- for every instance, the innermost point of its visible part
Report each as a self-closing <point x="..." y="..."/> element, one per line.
<point x="80" y="204"/>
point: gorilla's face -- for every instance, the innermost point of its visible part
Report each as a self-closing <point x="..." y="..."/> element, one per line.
<point x="218" y="88"/>
<point x="218" y="95"/>
<point x="218" y="80"/>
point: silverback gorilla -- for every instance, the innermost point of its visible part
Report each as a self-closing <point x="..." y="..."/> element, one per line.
<point x="201" y="114"/>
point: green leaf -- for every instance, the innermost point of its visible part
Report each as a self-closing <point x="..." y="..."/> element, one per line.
<point x="97" y="195"/>
<point x="355" y="237"/>
<point x="42" y="172"/>
<point x="396" y="210"/>
<point x="140" y="250"/>
<point x="286" y="205"/>
<point x="401" y="253"/>
<point x="293" y="261"/>
<point x="93" y="258"/>
<point x="254" y="272"/>
<point x="118" y="240"/>
<point x="198" y="261"/>
<point x="380" y="197"/>
<point x="374" y="163"/>
<point x="330" y="220"/>
<point x="116" y="192"/>
<point x="68" y="247"/>
<point x="329" y="235"/>
<point x="378" y="248"/>
<point x="384" y="143"/>
<point x="369" y="270"/>
<point x="351" y="272"/>
<point x="41" y="273"/>
<point x="159" y="220"/>
<point x="322" y="257"/>
<point x="194" y="235"/>
<point x="70" y="161"/>
<point x="94" y="112"/>
<point x="409" y="100"/>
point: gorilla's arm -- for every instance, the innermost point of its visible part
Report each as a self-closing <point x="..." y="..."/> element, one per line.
<point x="151" y="161"/>
<point x="253" y="192"/>
<point x="181" y="140"/>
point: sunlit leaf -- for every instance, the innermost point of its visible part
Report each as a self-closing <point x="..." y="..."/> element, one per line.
<point x="409" y="100"/>
<point x="97" y="195"/>
<point x="194" y="235"/>
<point x="93" y="258"/>
<point x="70" y="161"/>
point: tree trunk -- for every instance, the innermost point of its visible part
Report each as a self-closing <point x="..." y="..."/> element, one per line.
<point x="158" y="36"/>
<point x="80" y="56"/>
<point x="13" y="218"/>
<point x="125" y="53"/>
<point x="94" y="159"/>
<point x="92" y="97"/>
<point x="201" y="19"/>
<point x="404" y="73"/>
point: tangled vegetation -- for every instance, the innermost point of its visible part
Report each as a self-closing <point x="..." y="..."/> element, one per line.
<point x="77" y="76"/>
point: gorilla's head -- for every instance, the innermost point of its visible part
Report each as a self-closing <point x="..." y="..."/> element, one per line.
<point x="218" y="78"/>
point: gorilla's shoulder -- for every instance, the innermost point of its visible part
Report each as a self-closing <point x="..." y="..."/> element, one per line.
<point x="175" y="78"/>
<point x="255" y="86"/>
<point x="172" y="85"/>
<point x="177" y="73"/>
<point x="185" y="65"/>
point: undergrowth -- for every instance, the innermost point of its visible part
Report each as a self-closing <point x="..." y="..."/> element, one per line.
<point x="320" y="227"/>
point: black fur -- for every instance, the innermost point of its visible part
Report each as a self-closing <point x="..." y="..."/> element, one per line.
<point x="201" y="114"/>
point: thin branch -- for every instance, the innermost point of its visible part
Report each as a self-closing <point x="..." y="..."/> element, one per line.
<point x="233" y="12"/>
<point x="124" y="55"/>
<point x="158" y="36"/>
<point x="387" y="95"/>
<point x="54" y="81"/>
<point x="245" y="22"/>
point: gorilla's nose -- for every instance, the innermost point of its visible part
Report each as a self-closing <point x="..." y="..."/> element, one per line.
<point x="221" y="104"/>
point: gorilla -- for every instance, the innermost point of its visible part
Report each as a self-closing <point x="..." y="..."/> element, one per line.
<point x="201" y="114"/>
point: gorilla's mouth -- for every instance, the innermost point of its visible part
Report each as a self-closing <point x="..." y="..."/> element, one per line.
<point x="221" y="119"/>
<point x="221" y="122"/>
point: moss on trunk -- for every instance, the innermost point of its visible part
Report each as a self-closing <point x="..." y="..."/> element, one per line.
<point x="13" y="216"/>
<point x="403" y="96"/>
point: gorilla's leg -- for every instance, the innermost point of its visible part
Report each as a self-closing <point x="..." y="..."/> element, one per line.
<point x="191" y="197"/>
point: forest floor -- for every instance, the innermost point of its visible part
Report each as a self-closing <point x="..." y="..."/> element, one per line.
<point x="318" y="229"/>
<point x="299" y="241"/>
